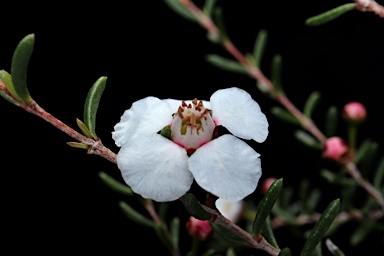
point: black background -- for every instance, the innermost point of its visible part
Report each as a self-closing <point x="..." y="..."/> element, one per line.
<point x="52" y="198"/>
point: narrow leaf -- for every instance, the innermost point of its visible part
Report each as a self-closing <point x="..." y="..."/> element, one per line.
<point x="329" y="15"/>
<point x="362" y="231"/>
<point x="180" y="9"/>
<point x="194" y="208"/>
<point x="284" y="115"/>
<point x="311" y="103"/>
<point x="208" y="7"/>
<point x="378" y="179"/>
<point x="276" y="73"/>
<point x="115" y="185"/>
<point x="209" y="252"/>
<point x="163" y="235"/>
<point x="19" y="67"/>
<point x="259" y="47"/>
<point x="285" y="252"/>
<point x="226" y="64"/>
<point x="92" y="104"/>
<point x="331" y="121"/>
<point x="6" y="79"/>
<point x="219" y="20"/>
<point x="313" y="200"/>
<point x="307" y="140"/>
<point x="78" y="145"/>
<point x="228" y="235"/>
<point x="135" y="216"/>
<point x="266" y="206"/>
<point x="83" y="128"/>
<point x="230" y="252"/>
<point x="321" y="227"/>
<point x="174" y="230"/>
<point x="267" y="233"/>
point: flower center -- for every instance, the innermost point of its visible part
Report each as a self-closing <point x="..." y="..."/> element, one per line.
<point x="192" y="125"/>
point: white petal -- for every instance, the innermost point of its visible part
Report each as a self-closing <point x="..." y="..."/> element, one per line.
<point x="155" y="168"/>
<point x="226" y="167"/>
<point x="230" y="209"/>
<point x="174" y="104"/>
<point x="146" y="116"/>
<point x="235" y="109"/>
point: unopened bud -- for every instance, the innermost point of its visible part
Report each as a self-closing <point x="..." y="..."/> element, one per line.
<point x="354" y="112"/>
<point x="200" y="229"/>
<point x="266" y="184"/>
<point x="335" y="148"/>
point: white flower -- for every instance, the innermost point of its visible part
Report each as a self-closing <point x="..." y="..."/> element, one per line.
<point x="163" y="169"/>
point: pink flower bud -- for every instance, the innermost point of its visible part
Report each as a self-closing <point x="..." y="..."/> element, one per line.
<point x="199" y="229"/>
<point x="266" y="184"/>
<point x="354" y="112"/>
<point x="335" y="148"/>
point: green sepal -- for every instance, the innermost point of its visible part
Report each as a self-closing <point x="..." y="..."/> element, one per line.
<point x="5" y="77"/>
<point x="276" y="73"/>
<point x="259" y="47"/>
<point x="320" y="228"/>
<point x="331" y="121"/>
<point x="83" y="128"/>
<point x="174" y="230"/>
<point x="136" y="216"/>
<point x="180" y="9"/>
<point x="362" y="231"/>
<point x="194" y="208"/>
<point x="19" y="68"/>
<point x="226" y="64"/>
<point x="92" y="103"/>
<point x="284" y="115"/>
<point x="329" y="15"/>
<point x="77" y="145"/>
<point x="285" y="252"/>
<point x="266" y="205"/>
<point x="208" y="7"/>
<point x="267" y="233"/>
<point x="115" y="185"/>
<point x="311" y="103"/>
<point x="307" y="140"/>
<point x="227" y="235"/>
<point x="166" y="132"/>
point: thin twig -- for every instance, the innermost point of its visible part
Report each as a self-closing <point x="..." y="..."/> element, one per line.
<point x="258" y="75"/>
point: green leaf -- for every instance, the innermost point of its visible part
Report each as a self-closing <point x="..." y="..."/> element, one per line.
<point x="366" y="154"/>
<point x="259" y="47"/>
<point x="135" y="216"/>
<point x="19" y="68"/>
<point x="307" y="140"/>
<point x="163" y="235"/>
<point x="230" y="252"/>
<point x="77" y="145"/>
<point x="321" y="227"/>
<point x="317" y="251"/>
<point x="311" y="104"/>
<point x="219" y="20"/>
<point x="313" y="200"/>
<point x="329" y="15"/>
<point x="331" y="121"/>
<point x="379" y="175"/>
<point x="276" y="73"/>
<point x="174" y="230"/>
<point x="285" y="252"/>
<point x="267" y="232"/>
<point x="83" y="128"/>
<point x="194" y="208"/>
<point x="362" y="231"/>
<point x="180" y="9"/>
<point x="115" y="185"/>
<point x="92" y="104"/>
<point x="226" y="64"/>
<point x="208" y="7"/>
<point x="5" y="77"/>
<point x="209" y="252"/>
<point x="228" y="235"/>
<point x="284" y="115"/>
<point x="266" y="206"/>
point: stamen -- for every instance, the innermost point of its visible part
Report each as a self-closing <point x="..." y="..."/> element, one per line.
<point x="183" y="104"/>
<point x="194" y="101"/>
<point x="189" y="106"/>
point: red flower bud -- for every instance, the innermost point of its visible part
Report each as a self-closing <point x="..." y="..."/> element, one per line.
<point x="354" y="112"/>
<point x="335" y="148"/>
<point x="199" y="229"/>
